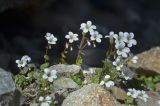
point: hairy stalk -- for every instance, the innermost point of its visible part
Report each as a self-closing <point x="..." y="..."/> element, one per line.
<point x="108" y="55"/>
<point x="46" y="53"/>
<point x="63" y="56"/>
<point x="80" y="47"/>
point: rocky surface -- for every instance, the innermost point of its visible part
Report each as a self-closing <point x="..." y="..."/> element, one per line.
<point x="118" y="93"/>
<point x="154" y="100"/>
<point x="89" y="95"/>
<point x="9" y="96"/>
<point x="65" y="83"/>
<point x="148" y="62"/>
<point x="66" y="69"/>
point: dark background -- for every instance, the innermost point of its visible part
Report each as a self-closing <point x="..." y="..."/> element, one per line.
<point x="23" y="24"/>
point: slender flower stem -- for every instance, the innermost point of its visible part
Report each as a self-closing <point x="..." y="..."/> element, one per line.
<point x="84" y="46"/>
<point x="46" y="52"/>
<point x="85" y="43"/>
<point x="108" y="54"/>
<point x="80" y="47"/>
<point x="63" y="54"/>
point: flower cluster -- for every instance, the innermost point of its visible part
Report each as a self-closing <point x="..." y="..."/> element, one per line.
<point x="108" y="83"/>
<point x="23" y="61"/>
<point x="118" y="64"/>
<point x="137" y="94"/>
<point x="88" y="27"/>
<point x="49" y="74"/>
<point x="121" y="40"/>
<point x="45" y="101"/>
<point x="50" y="38"/>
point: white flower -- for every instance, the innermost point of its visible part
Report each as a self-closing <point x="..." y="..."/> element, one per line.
<point x="23" y="61"/>
<point x="142" y="95"/>
<point x="109" y="84"/>
<point x="118" y="64"/>
<point x="45" y="104"/>
<point x="102" y="83"/>
<point x="41" y="98"/>
<point x="95" y="36"/>
<point x="87" y="27"/>
<point x="128" y="38"/>
<point x="50" y="74"/>
<point x="127" y="77"/>
<point x="50" y="38"/>
<point x="119" y="39"/>
<point x="134" y="59"/>
<point x="138" y="94"/>
<point x="72" y="37"/>
<point x="133" y="93"/>
<point x="46" y="101"/>
<point x="107" y="77"/>
<point x="122" y="50"/>
<point x="26" y="58"/>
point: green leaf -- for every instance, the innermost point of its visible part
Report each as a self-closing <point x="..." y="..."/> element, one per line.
<point x="21" y="80"/>
<point x="45" y="65"/>
<point x="98" y="71"/>
<point x="63" y="57"/>
<point x="156" y="79"/>
<point x="149" y="79"/>
<point x="95" y="79"/>
<point x="79" y="60"/>
<point x="77" y="79"/>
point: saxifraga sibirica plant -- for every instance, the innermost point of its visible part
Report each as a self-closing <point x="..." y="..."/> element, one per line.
<point x="38" y="85"/>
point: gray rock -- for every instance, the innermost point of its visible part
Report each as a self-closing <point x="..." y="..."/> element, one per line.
<point x="148" y="62"/>
<point x="9" y="96"/>
<point x="118" y="93"/>
<point x="66" y="69"/>
<point x="63" y="86"/>
<point x="154" y="100"/>
<point x="6" y="82"/>
<point x="89" y="95"/>
<point x="65" y="83"/>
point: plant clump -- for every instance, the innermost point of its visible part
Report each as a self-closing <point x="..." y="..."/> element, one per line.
<point x="38" y="86"/>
